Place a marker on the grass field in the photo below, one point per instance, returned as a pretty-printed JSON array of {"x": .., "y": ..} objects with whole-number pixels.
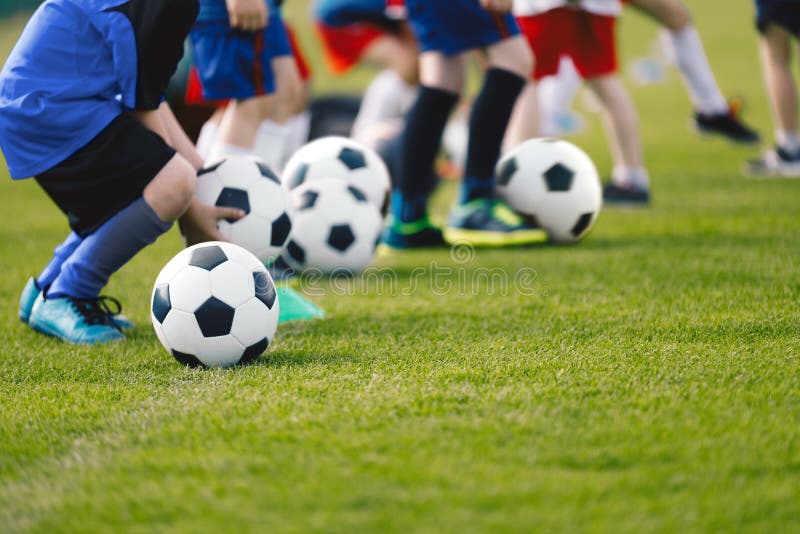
[{"x": 647, "y": 380}]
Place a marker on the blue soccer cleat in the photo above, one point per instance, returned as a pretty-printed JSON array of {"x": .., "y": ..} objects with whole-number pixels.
[
  {"x": 491, "y": 223},
  {"x": 417, "y": 234},
  {"x": 29, "y": 295},
  {"x": 31, "y": 292},
  {"x": 75, "y": 321}
]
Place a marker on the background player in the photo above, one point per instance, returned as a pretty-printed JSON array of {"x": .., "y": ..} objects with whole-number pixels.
[
  {"x": 445, "y": 30},
  {"x": 243, "y": 54},
  {"x": 778, "y": 22},
  {"x": 103, "y": 147},
  {"x": 585, "y": 33}
]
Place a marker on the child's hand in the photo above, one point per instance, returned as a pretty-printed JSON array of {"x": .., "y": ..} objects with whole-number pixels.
[
  {"x": 247, "y": 15},
  {"x": 199, "y": 222},
  {"x": 498, "y": 6}
]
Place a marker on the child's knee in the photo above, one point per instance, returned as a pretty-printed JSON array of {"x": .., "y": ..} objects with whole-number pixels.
[
  {"x": 184, "y": 183},
  {"x": 513, "y": 55}
]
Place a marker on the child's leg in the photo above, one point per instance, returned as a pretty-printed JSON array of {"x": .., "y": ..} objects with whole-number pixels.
[
  {"x": 704, "y": 92},
  {"x": 60, "y": 255},
  {"x": 121, "y": 237},
  {"x": 525, "y": 121},
  {"x": 624, "y": 134},
  {"x": 775, "y": 61},
  {"x": 441, "y": 80},
  {"x": 396, "y": 54},
  {"x": 510, "y": 64}
]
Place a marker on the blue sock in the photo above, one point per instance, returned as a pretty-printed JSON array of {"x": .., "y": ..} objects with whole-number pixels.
[
  {"x": 472, "y": 188},
  {"x": 408, "y": 208},
  {"x": 487, "y": 126},
  {"x": 60, "y": 255},
  {"x": 105, "y": 251}
]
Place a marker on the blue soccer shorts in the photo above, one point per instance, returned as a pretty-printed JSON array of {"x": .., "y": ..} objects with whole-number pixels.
[
  {"x": 455, "y": 26},
  {"x": 234, "y": 64}
]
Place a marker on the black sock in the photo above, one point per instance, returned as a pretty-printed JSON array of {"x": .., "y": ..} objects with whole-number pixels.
[
  {"x": 487, "y": 126},
  {"x": 422, "y": 137}
]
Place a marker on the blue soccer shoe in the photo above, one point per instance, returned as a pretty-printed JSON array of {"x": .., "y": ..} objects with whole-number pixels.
[
  {"x": 75, "y": 321},
  {"x": 31, "y": 292}
]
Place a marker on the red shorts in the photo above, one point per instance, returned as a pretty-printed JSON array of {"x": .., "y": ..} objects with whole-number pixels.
[
  {"x": 585, "y": 37},
  {"x": 345, "y": 45}
]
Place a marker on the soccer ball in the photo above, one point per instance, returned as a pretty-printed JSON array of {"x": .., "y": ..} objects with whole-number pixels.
[
  {"x": 215, "y": 305},
  {"x": 336, "y": 228},
  {"x": 340, "y": 157},
  {"x": 246, "y": 183},
  {"x": 554, "y": 183}
]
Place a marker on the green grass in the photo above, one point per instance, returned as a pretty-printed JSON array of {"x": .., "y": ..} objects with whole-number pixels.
[{"x": 650, "y": 382}]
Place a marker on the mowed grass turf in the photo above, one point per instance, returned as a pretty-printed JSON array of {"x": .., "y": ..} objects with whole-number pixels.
[{"x": 645, "y": 380}]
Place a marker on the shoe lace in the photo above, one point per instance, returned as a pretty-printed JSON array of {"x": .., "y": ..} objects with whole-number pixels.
[{"x": 100, "y": 310}]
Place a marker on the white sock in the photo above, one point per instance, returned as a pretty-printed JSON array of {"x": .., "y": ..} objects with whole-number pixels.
[
  {"x": 299, "y": 126},
  {"x": 788, "y": 140},
  {"x": 696, "y": 72},
  {"x": 556, "y": 94},
  {"x": 221, "y": 150},
  {"x": 388, "y": 96},
  {"x": 624, "y": 175},
  {"x": 270, "y": 144},
  {"x": 206, "y": 138}
]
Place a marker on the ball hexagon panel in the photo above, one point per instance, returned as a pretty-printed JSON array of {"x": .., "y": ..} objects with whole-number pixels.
[
  {"x": 189, "y": 288},
  {"x": 207, "y": 257},
  {"x": 250, "y": 233},
  {"x": 253, "y": 322},
  {"x": 182, "y": 332},
  {"x": 341, "y": 237},
  {"x": 214, "y": 318},
  {"x": 232, "y": 284},
  {"x": 220, "y": 351},
  {"x": 242, "y": 256},
  {"x": 209, "y": 187},
  {"x": 558, "y": 177}
]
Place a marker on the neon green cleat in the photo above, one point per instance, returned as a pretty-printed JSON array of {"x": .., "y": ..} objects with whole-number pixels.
[
  {"x": 418, "y": 234},
  {"x": 491, "y": 223}
]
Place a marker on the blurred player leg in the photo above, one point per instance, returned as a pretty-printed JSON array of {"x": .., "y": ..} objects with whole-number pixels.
[
  {"x": 776, "y": 56},
  {"x": 623, "y": 129},
  {"x": 712, "y": 112}
]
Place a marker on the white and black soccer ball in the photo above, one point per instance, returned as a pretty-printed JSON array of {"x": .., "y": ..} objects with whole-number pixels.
[
  {"x": 215, "y": 305},
  {"x": 245, "y": 182},
  {"x": 336, "y": 228},
  {"x": 553, "y": 182},
  {"x": 343, "y": 158}
]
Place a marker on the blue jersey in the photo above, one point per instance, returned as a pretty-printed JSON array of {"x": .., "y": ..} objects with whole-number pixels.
[{"x": 71, "y": 73}]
